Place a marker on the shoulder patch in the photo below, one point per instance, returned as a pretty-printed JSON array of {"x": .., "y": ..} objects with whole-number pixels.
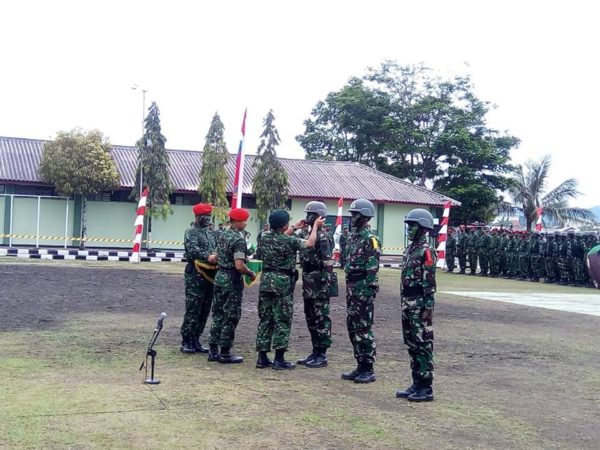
[
  {"x": 428, "y": 258},
  {"x": 374, "y": 242}
]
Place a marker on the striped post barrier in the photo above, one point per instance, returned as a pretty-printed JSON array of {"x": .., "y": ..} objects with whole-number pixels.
[
  {"x": 139, "y": 228},
  {"x": 443, "y": 233}
]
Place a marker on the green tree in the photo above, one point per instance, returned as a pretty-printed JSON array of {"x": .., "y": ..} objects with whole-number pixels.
[
  {"x": 529, "y": 192},
  {"x": 270, "y": 185},
  {"x": 410, "y": 123},
  {"x": 79, "y": 163},
  {"x": 213, "y": 175},
  {"x": 153, "y": 162}
]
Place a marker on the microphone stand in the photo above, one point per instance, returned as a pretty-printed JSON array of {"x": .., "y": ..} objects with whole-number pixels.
[{"x": 152, "y": 353}]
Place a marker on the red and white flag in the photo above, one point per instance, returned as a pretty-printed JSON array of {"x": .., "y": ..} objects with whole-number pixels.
[
  {"x": 238, "y": 178},
  {"x": 139, "y": 228},
  {"x": 338, "y": 230},
  {"x": 442, "y": 234},
  {"x": 538, "y": 224}
]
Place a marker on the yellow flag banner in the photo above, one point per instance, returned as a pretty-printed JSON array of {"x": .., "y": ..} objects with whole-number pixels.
[{"x": 255, "y": 265}]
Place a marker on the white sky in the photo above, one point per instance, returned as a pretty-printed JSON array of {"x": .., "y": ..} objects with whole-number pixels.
[{"x": 72, "y": 63}]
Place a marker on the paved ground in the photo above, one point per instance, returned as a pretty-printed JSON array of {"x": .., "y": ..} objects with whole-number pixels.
[{"x": 577, "y": 303}]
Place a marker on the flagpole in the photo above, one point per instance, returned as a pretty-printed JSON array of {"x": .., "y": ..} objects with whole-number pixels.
[{"x": 240, "y": 176}]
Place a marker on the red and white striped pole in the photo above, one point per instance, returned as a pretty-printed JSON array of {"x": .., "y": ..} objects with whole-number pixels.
[
  {"x": 538, "y": 224},
  {"x": 139, "y": 228},
  {"x": 443, "y": 233},
  {"x": 338, "y": 230}
]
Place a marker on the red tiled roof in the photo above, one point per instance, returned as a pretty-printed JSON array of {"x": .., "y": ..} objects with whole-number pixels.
[{"x": 19, "y": 159}]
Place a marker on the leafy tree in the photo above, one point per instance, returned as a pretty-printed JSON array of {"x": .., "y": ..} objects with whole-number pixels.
[
  {"x": 529, "y": 192},
  {"x": 213, "y": 175},
  {"x": 410, "y": 123},
  {"x": 153, "y": 161},
  {"x": 270, "y": 185},
  {"x": 79, "y": 163}
]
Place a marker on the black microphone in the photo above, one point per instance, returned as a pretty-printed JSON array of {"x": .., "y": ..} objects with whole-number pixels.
[{"x": 159, "y": 324}]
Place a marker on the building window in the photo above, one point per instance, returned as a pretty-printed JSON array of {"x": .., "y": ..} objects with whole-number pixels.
[{"x": 179, "y": 199}]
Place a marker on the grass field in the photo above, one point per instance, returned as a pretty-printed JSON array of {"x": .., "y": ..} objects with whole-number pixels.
[{"x": 73, "y": 334}]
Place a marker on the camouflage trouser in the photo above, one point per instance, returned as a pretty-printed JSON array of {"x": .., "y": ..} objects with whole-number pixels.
[
  {"x": 316, "y": 309},
  {"x": 226, "y": 313},
  {"x": 198, "y": 300},
  {"x": 418, "y": 339},
  {"x": 550, "y": 267},
  {"x": 579, "y": 271},
  {"x": 359, "y": 320},
  {"x": 525, "y": 262},
  {"x": 495, "y": 264},
  {"x": 484, "y": 263},
  {"x": 462, "y": 262},
  {"x": 536, "y": 271},
  {"x": 275, "y": 313},
  {"x": 502, "y": 266},
  {"x": 472, "y": 261},
  {"x": 450, "y": 261}
]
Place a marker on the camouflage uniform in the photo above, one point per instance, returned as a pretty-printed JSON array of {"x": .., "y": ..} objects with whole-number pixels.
[
  {"x": 563, "y": 259},
  {"x": 472, "y": 240},
  {"x": 483, "y": 249},
  {"x": 362, "y": 284},
  {"x": 199, "y": 243},
  {"x": 450, "y": 252},
  {"x": 275, "y": 300},
  {"x": 316, "y": 277},
  {"x": 578, "y": 251},
  {"x": 461, "y": 251},
  {"x": 418, "y": 287},
  {"x": 229, "y": 288},
  {"x": 343, "y": 249}
]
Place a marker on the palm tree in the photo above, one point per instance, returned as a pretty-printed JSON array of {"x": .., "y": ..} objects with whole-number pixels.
[{"x": 529, "y": 193}]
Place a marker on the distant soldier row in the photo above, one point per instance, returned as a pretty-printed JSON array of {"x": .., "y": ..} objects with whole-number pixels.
[{"x": 556, "y": 257}]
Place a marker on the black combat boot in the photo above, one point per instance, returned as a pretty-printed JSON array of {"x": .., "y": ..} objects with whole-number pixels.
[
  {"x": 187, "y": 346},
  {"x": 213, "y": 353},
  {"x": 308, "y": 358},
  {"x": 228, "y": 358},
  {"x": 421, "y": 394},
  {"x": 366, "y": 375},
  {"x": 406, "y": 392},
  {"x": 320, "y": 358},
  {"x": 353, "y": 374},
  {"x": 198, "y": 348},
  {"x": 280, "y": 363},
  {"x": 263, "y": 361}
]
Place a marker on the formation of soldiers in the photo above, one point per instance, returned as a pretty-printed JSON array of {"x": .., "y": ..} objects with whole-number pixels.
[
  {"x": 555, "y": 257},
  {"x": 217, "y": 261}
]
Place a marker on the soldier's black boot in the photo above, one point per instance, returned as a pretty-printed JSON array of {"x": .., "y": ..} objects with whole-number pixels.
[
  {"x": 213, "y": 353},
  {"x": 280, "y": 363},
  {"x": 228, "y": 358},
  {"x": 422, "y": 394},
  {"x": 319, "y": 359},
  {"x": 308, "y": 358},
  {"x": 406, "y": 392},
  {"x": 366, "y": 375},
  {"x": 187, "y": 346},
  {"x": 263, "y": 361},
  {"x": 353, "y": 374},
  {"x": 198, "y": 348}
]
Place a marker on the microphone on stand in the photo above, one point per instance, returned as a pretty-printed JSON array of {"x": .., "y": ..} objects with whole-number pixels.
[{"x": 151, "y": 352}]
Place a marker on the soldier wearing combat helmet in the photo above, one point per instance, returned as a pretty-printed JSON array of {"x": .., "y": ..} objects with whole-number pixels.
[
  {"x": 417, "y": 303},
  {"x": 317, "y": 269},
  {"x": 362, "y": 284}
]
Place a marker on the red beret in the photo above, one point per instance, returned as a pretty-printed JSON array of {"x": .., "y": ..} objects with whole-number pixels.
[
  {"x": 202, "y": 209},
  {"x": 239, "y": 214}
]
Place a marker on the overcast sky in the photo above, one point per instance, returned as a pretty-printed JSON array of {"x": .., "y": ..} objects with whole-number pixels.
[{"x": 69, "y": 64}]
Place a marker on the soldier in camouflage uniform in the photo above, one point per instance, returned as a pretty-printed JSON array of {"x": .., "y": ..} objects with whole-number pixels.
[
  {"x": 317, "y": 269},
  {"x": 200, "y": 246},
  {"x": 362, "y": 284},
  {"x": 461, "y": 249},
  {"x": 344, "y": 246},
  {"x": 563, "y": 253},
  {"x": 472, "y": 240},
  {"x": 278, "y": 249},
  {"x": 450, "y": 250},
  {"x": 534, "y": 256},
  {"x": 569, "y": 261},
  {"x": 578, "y": 251},
  {"x": 549, "y": 259},
  {"x": 494, "y": 250},
  {"x": 417, "y": 302},
  {"x": 483, "y": 250},
  {"x": 229, "y": 286}
]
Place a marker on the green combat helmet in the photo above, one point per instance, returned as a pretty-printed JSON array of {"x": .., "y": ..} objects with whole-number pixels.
[
  {"x": 420, "y": 216},
  {"x": 362, "y": 206}
]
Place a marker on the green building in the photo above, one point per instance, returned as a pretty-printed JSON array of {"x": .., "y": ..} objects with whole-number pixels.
[{"x": 32, "y": 214}]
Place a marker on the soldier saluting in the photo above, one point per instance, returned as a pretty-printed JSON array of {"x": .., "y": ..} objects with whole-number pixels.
[{"x": 362, "y": 284}]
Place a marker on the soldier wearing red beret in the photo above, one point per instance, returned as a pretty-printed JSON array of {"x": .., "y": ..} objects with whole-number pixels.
[
  {"x": 200, "y": 248},
  {"x": 229, "y": 286}
]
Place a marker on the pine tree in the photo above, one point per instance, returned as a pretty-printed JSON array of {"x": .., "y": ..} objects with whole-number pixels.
[
  {"x": 154, "y": 162},
  {"x": 270, "y": 185},
  {"x": 79, "y": 163},
  {"x": 213, "y": 175}
]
